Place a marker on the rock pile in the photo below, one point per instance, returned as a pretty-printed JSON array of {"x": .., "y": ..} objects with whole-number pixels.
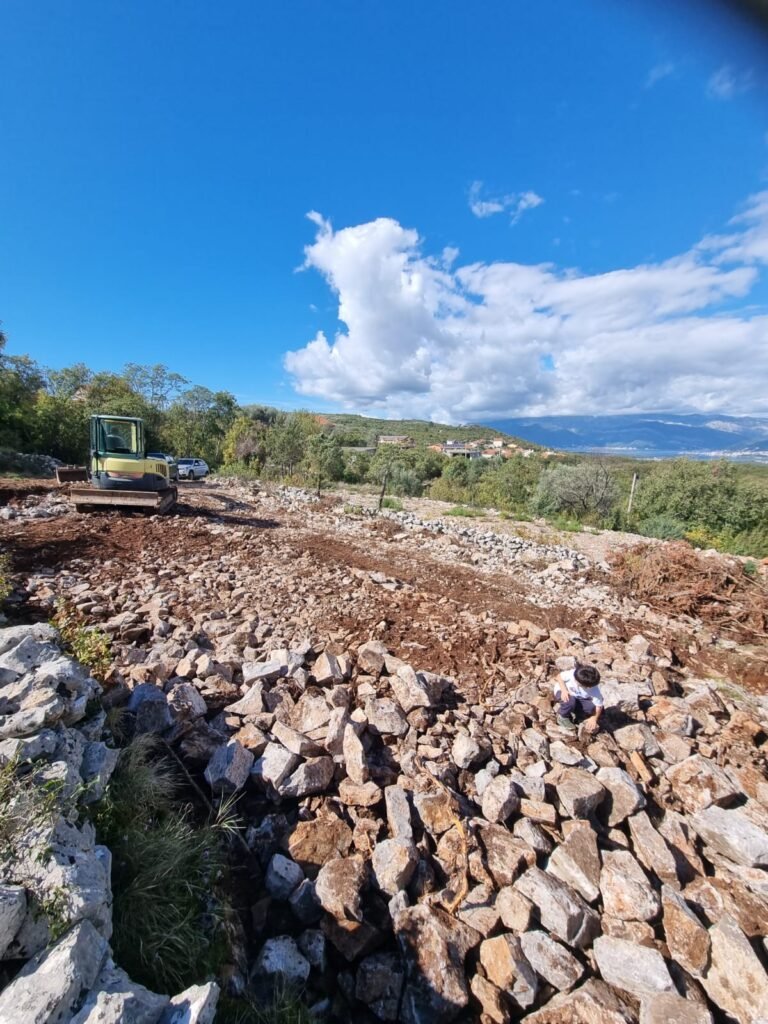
[
  {"x": 55, "y": 896},
  {"x": 426, "y": 859}
]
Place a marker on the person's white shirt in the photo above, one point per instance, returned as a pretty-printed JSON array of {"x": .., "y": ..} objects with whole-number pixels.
[{"x": 574, "y": 687}]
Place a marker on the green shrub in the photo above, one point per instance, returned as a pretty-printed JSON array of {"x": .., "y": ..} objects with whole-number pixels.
[
  {"x": 90, "y": 645},
  {"x": 463, "y": 510},
  {"x": 661, "y": 527},
  {"x": 392, "y": 503},
  {"x": 5, "y": 577},
  {"x": 285, "y": 1006},
  {"x": 565, "y": 524}
]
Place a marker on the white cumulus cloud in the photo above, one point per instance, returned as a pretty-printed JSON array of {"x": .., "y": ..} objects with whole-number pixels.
[
  {"x": 426, "y": 336},
  {"x": 515, "y": 203}
]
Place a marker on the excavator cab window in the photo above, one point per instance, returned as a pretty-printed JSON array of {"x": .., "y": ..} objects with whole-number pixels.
[{"x": 118, "y": 437}]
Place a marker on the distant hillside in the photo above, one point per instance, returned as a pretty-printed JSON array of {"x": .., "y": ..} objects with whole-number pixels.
[
  {"x": 367, "y": 429},
  {"x": 660, "y": 433}
]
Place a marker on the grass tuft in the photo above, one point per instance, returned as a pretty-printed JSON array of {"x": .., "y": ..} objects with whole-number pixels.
[
  {"x": 285, "y": 1006},
  {"x": 168, "y": 917},
  {"x": 91, "y": 646},
  {"x": 465, "y": 510}
]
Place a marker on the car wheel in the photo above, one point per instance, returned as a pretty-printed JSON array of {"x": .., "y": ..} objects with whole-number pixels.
[{"x": 192, "y": 474}]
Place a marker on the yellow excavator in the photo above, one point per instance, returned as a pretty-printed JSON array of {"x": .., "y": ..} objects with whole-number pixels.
[{"x": 119, "y": 475}]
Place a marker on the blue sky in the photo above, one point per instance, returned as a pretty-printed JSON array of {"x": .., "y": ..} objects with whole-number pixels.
[{"x": 159, "y": 160}]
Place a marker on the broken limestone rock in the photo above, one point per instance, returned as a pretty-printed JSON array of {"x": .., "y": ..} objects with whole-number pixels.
[
  {"x": 229, "y": 768},
  {"x": 434, "y": 946},
  {"x": 339, "y": 887},
  {"x": 579, "y": 792},
  {"x": 281, "y": 956},
  {"x": 736, "y": 980},
  {"x": 732, "y": 834},
  {"x": 282, "y": 877},
  {"x": 313, "y": 776},
  {"x": 687, "y": 938},
  {"x": 551, "y": 961},
  {"x": 638, "y": 970},
  {"x": 379, "y": 983},
  {"x": 576, "y": 862},
  {"x": 624, "y": 797},
  {"x": 49, "y": 986},
  {"x": 393, "y": 863},
  {"x": 626, "y": 891},
  {"x": 559, "y": 908},
  {"x": 500, "y": 799},
  {"x": 666, "y": 1008},
  {"x": 507, "y": 967}
]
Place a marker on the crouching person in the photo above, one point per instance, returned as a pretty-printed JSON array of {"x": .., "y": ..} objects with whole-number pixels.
[{"x": 579, "y": 696}]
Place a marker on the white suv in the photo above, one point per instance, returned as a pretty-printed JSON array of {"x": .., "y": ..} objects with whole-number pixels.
[{"x": 192, "y": 469}]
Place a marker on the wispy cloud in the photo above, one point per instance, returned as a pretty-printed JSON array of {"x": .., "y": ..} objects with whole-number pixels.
[
  {"x": 726, "y": 83},
  {"x": 515, "y": 203},
  {"x": 658, "y": 73},
  {"x": 422, "y": 336}
]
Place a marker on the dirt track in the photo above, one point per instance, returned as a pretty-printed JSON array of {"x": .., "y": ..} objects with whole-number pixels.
[{"x": 311, "y": 569}]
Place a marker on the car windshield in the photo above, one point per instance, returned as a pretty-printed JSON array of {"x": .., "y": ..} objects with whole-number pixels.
[{"x": 185, "y": 462}]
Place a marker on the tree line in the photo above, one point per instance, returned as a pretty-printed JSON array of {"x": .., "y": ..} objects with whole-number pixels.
[{"x": 720, "y": 504}]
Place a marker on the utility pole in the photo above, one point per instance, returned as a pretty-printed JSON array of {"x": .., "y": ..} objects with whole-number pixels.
[{"x": 632, "y": 493}]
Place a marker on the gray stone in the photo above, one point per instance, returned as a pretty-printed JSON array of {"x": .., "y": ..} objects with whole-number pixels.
[
  {"x": 514, "y": 909},
  {"x": 281, "y": 956},
  {"x": 263, "y": 672},
  {"x": 638, "y": 970},
  {"x": 532, "y": 834},
  {"x": 47, "y": 989},
  {"x": 327, "y": 669},
  {"x": 185, "y": 703},
  {"x": 98, "y": 764},
  {"x": 736, "y": 980},
  {"x": 579, "y": 793},
  {"x": 434, "y": 811},
  {"x": 624, "y": 797},
  {"x": 551, "y": 961},
  {"x": 251, "y": 704},
  {"x": 12, "y": 636},
  {"x": 732, "y": 834},
  {"x": 313, "y": 945},
  {"x": 651, "y": 849},
  {"x": 339, "y": 887},
  {"x": 283, "y": 877},
  {"x": 478, "y": 910},
  {"x": 434, "y": 946},
  {"x": 576, "y": 862},
  {"x": 116, "y": 999},
  {"x": 314, "y": 776},
  {"x": 370, "y": 657},
  {"x": 31, "y": 748},
  {"x": 626, "y": 891},
  {"x": 468, "y": 752},
  {"x": 637, "y": 737},
  {"x": 195, "y": 1005},
  {"x": 25, "y": 656},
  {"x": 411, "y": 689},
  {"x": 669, "y": 1008},
  {"x": 559, "y": 908},
  {"x": 228, "y": 769},
  {"x": 379, "y": 983},
  {"x": 385, "y": 717},
  {"x": 150, "y": 706},
  {"x": 13, "y": 907},
  {"x": 295, "y": 741},
  {"x": 354, "y": 756},
  {"x": 304, "y": 903},
  {"x": 393, "y": 863},
  {"x": 398, "y": 813},
  {"x": 274, "y": 766},
  {"x": 500, "y": 799}
]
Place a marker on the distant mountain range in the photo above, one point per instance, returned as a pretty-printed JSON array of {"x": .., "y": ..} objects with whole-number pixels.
[{"x": 657, "y": 434}]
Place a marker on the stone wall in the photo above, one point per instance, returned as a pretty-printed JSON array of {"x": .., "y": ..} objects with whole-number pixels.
[{"x": 55, "y": 896}]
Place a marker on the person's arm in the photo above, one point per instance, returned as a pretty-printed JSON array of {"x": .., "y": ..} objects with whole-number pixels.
[{"x": 593, "y": 724}]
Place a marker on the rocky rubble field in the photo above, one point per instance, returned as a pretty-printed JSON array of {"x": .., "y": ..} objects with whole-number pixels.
[{"x": 377, "y": 693}]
